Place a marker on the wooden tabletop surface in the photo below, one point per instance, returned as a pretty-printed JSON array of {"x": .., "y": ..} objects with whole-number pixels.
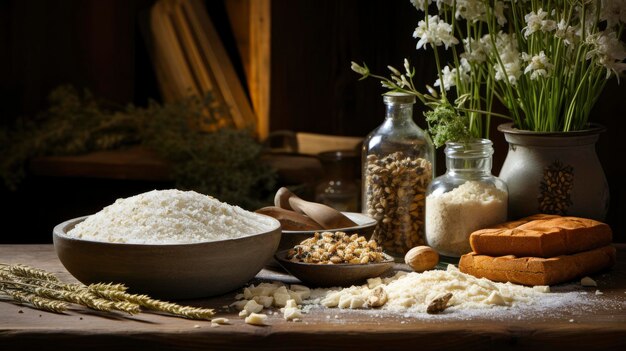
[{"x": 591, "y": 321}]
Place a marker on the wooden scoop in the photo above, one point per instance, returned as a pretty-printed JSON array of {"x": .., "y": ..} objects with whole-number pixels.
[
  {"x": 290, "y": 220},
  {"x": 326, "y": 216}
]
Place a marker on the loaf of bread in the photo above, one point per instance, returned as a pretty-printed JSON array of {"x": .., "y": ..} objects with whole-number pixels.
[
  {"x": 538, "y": 271},
  {"x": 541, "y": 236}
]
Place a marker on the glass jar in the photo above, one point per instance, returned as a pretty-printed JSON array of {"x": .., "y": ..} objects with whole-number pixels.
[
  {"x": 397, "y": 163},
  {"x": 338, "y": 189},
  {"x": 466, "y": 198}
]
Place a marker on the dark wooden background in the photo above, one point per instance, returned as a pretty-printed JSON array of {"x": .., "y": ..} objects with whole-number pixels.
[{"x": 99, "y": 45}]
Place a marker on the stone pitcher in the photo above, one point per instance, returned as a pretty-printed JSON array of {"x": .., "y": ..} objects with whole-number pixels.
[{"x": 555, "y": 173}]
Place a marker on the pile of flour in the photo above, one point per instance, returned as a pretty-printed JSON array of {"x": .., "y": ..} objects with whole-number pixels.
[
  {"x": 170, "y": 217},
  {"x": 413, "y": 292}
]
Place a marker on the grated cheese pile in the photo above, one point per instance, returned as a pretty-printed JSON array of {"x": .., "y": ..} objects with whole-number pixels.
[{"x": 170, "y": 217}]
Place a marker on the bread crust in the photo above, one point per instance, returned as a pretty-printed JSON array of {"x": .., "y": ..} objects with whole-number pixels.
[
  {"x": 541, "y": 236},
  {"x": 538, "y": 271}
]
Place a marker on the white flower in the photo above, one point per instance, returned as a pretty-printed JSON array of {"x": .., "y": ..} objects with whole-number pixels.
[
  {"x": 407, "y": 68},
  {"x": 536, "y": 22},
  {"x": 450, "y": 76},
  {"x": 394, "y": 70},
  {"x": 512, "y": 71},
  {"x": 441, "y": 3},
  {"x": 437, "y": 33},
  {"x": 606, "y": 44},
  {"x": 616, "y": 67},
  {"x": 498, "y": 10},
  {"x": 533, "y": 22},
  {"x": 567, "y": 33},
  {"x": 400, "y": 80},
  {"x": 609, "y": 52},
  {"x": 474, "y": 50},
  {"x": 421, "y": 5},
  {"x": 471, "y": 10},
  {"x": 613, "y": 12},
  {"x": 359, "y": 69},
  {"x": 538, "y": 65},
  {"x": 405, "y": 82},
  {"x": 506, "y": 46},
  {"x": 589, "y": 17}
]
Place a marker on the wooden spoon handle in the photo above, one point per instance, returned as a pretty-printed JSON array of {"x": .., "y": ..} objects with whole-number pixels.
[
  {"x": 326, "y": 216},
  {"x": 281, "y": 199},
  {"x": 290, "y": 220}
]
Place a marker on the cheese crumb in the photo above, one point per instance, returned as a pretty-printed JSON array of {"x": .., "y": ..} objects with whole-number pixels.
[
  {"x": 588, "y": 282},
  {"x": 220, "y": 320},
  {"x": 253, "y": 307},
  {"x": 281, "y": 296},
  {"x": 291, "y": 313},
  {"x": 291, "y": 310},
  {"x": 256, "y": 319},
  {"x": 374, "y": 282},
  {"x": 239, "y": 305},
  {"x": 266, "y": 301},
  {"x": 291, "y": 304},
  {"x": 495, "y": 299}
]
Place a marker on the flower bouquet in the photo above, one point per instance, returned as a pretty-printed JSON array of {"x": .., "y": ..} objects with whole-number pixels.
[{"x": 546, "y": 61}]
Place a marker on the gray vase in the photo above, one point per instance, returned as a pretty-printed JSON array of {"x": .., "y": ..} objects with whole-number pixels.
[{"x": 554, "y": 172}]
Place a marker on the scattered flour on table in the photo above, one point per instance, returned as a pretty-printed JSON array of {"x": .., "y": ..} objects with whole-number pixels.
[
  {"x": 170, "y": 217},
  {"x": 413, "y": 292},
  {"x": 409, "y": 294}
]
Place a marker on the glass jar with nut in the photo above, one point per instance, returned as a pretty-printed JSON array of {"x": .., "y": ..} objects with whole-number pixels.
[{"x": 398, "y": 159}]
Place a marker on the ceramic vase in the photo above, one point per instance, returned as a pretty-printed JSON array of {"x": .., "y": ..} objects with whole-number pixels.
[{"x": 555, "y": 173}]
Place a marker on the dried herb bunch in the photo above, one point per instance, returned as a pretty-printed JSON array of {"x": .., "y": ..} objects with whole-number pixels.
[
  {"x": 224, "y": 163},
  {"x": 42, "y": 290}
]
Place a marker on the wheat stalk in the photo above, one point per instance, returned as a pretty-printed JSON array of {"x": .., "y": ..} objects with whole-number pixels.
[{"x": 43, "y": 290}]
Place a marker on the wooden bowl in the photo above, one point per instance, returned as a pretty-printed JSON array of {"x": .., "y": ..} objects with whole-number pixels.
[
  {"x": 343, "y": 274},
  {"x": 179, "y": 271}
]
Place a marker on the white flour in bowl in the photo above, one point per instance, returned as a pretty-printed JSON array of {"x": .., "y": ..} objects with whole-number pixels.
[{"x": 170, "y": 217}]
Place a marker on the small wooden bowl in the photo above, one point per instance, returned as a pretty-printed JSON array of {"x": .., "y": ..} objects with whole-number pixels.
[
  {"x": 343, "y": 274},
  {"x": 180, "y": 271}
]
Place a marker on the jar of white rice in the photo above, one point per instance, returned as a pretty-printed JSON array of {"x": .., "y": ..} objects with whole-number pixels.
[{"x": 466, "y": 198}]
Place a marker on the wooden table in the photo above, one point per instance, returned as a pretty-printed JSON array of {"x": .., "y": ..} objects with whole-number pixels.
[{"x": 600, "y": 323}]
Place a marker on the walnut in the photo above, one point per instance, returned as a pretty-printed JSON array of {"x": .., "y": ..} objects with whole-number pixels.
[
  {"x": 421, "y": 258},
  {"x": 439, "y": 304}
]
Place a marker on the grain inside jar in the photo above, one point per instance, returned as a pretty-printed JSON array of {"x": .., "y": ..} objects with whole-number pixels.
[{"x": 394, "y": 191}]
